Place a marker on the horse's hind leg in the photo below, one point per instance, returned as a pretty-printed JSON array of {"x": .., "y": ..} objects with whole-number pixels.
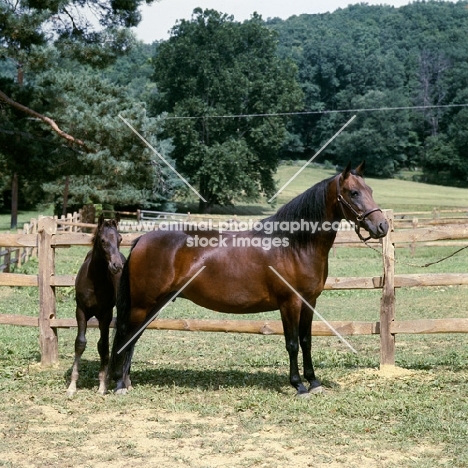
[
  {"x": 103, "y": 349},
  {"x": 80, "y": 345},
  {"x": 305, "y": 340},
  {"x": 126, "y": 336},
  {"x": 121, "y": 362}
]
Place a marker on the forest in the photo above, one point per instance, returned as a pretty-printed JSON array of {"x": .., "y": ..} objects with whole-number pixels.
[{"x": 224, "y": 102}]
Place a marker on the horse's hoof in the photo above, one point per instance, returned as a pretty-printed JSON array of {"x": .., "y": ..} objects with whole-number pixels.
[
  {"x": 101, "y": 392},
  {"x": 71, "y": 394},
  {"x": 316, "y": 390},
  {"x": 121, "y": 391},
  {"x": 302, "y": 395}
]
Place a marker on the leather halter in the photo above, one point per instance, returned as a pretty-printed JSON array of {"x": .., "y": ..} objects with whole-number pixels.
[{"x": 359, "y": 216}]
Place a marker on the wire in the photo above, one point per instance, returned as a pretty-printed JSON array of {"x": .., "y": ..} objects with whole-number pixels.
[{"x": 339, "y": 111}]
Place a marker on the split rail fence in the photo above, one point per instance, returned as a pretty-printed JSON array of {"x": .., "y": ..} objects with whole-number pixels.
[{"x": 48, "y": 238}]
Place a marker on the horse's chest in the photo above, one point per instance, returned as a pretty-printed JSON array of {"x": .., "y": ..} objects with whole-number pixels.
[{"x": 95, "y": 296}]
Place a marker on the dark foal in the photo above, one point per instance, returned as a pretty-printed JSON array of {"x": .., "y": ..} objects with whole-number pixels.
[
  {"x": 96, "y": 290},
  {"x": 237, "y": 276}
]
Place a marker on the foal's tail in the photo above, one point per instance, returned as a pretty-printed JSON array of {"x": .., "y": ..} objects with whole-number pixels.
[{"x": 123, "y": 312}]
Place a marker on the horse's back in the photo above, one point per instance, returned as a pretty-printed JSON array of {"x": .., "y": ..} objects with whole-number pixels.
[{"x": 233, "y": 280}]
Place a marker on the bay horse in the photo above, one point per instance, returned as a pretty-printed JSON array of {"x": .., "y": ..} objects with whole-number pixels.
[
  {"x": 237, "y": 277},
  {"x": 95, "y": 292}
]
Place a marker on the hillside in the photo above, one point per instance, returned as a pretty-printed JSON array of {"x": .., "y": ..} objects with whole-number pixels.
[{"x": 399, "y": 195}]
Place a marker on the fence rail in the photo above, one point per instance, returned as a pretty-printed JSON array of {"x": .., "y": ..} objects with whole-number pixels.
[
  {"x": 49, "y": 237},
  {"x": 17, "y": 253}
]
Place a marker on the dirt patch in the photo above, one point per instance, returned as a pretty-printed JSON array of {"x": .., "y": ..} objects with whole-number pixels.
[
  {"x": 391, "y": 372},
  {"x": 148, "y": 438}
]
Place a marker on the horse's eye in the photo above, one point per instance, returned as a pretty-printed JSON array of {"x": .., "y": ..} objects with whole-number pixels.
[{"x": 354, "y": 194}]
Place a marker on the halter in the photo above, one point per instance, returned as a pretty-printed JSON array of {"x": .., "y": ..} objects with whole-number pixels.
[{"x": 359, "y": 216}]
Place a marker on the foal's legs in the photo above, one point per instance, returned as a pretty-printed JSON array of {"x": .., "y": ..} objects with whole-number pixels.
[
  {"x": 290, "y": 315},
  {"x": 305, "y": 340},
  {"x": 80, "y": 345},
  {"x": 103, "y": 349}
]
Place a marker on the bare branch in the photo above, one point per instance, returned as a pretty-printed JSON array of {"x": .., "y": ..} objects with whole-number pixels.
[{"x": 46, "y": 120}]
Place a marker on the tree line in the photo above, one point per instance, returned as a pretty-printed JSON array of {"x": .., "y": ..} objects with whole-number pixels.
[
  {"x": 224, "y": 102},
  {"x": 412, "y": 58}
]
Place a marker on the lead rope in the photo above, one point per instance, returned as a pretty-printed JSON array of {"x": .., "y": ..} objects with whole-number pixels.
[{"x": 413, "y": 264}]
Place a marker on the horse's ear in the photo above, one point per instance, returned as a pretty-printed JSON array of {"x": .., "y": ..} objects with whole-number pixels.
[
  {"x": 346, "y": 172},
  {"x": 360, "y": 169},
  {"x": 117, "y": 218},
  {"x": 100, "y": 220}
]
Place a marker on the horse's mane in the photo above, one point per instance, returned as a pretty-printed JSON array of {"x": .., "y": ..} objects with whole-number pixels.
[{"x": 309, "y": 206}]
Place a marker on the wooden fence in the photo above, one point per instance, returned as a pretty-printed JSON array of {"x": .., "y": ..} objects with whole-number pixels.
[
  {"x": 435, "y": 217},
  {"x": 17, "y": 256},
  {"x": 48, "y": 238}
]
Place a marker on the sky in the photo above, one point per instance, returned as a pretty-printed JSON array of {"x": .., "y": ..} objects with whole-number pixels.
[{"x": 162, "y": 15}]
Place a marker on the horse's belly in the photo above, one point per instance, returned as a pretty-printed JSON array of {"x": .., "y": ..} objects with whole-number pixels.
[
  {"x": 232, "y": 297},
  {"x": 232, "y": 307}
]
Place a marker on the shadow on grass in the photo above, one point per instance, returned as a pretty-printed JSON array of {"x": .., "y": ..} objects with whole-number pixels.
[
  {"x": 208, "y": 379},
  {"x": 192, "y": 378}
]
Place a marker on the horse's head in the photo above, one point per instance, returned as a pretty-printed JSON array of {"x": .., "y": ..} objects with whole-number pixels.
[
  {"x": 107, "y": 240},
  {"x": 357, "y": 204}
]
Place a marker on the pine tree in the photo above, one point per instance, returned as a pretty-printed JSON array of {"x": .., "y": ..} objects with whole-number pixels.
[{"x": 59, "y": 119}]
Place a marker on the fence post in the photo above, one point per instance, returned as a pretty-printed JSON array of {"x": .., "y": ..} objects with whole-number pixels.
[
  {"x": 414, "y": 225},
  {"x": 19, "y": 252},
  {"x": 33, "y": 230},
  {"x": 387, "y": 303},
  {"x": 47, "y": 227},
  {"x": 7, "y": 260}
]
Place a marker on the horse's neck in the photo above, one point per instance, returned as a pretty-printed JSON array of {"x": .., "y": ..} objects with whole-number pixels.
[
  {"x": 324, "y": 242},
  {"x": 98, "y": 260},
  {"x": 324, "y": 235}
]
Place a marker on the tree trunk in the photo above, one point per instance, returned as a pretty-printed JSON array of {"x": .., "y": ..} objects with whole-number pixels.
[
  {"x": 65, "y": 196},
  {"x": 204, "y": 207},
  {"x": 14, "y": 201}
]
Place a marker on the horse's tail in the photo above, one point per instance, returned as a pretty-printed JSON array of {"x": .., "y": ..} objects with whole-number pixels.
[
  {"x": 123, "y": 311},
  {"x": 123, "y": 302}
]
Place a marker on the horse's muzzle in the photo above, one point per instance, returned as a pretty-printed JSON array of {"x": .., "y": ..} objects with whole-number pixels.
[
  {"x": 115, "y": 267},
  {"x": 376, "y": 228}
]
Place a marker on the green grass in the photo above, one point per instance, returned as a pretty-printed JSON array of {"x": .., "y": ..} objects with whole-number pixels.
[
  {"x": 24, "y": 216},
  {"x": 213, "y": 399},
  {"x": 216, "y": 400},
  {"x": 399, "y": 195}
]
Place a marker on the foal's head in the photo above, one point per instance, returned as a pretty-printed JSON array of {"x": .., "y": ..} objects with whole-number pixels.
[
  {"x": 106, "y": 242},
  {"x": 357, "y": 204}
]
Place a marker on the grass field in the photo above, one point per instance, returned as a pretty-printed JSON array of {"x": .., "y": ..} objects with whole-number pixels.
[{"x": 218, "y": 400}]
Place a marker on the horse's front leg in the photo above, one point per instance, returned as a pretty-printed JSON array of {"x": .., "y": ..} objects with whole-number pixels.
[
  {"x": 290, "y": 315},
  {"x": 80, "y": 346},
  {"x": 305, "y": 340}
]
